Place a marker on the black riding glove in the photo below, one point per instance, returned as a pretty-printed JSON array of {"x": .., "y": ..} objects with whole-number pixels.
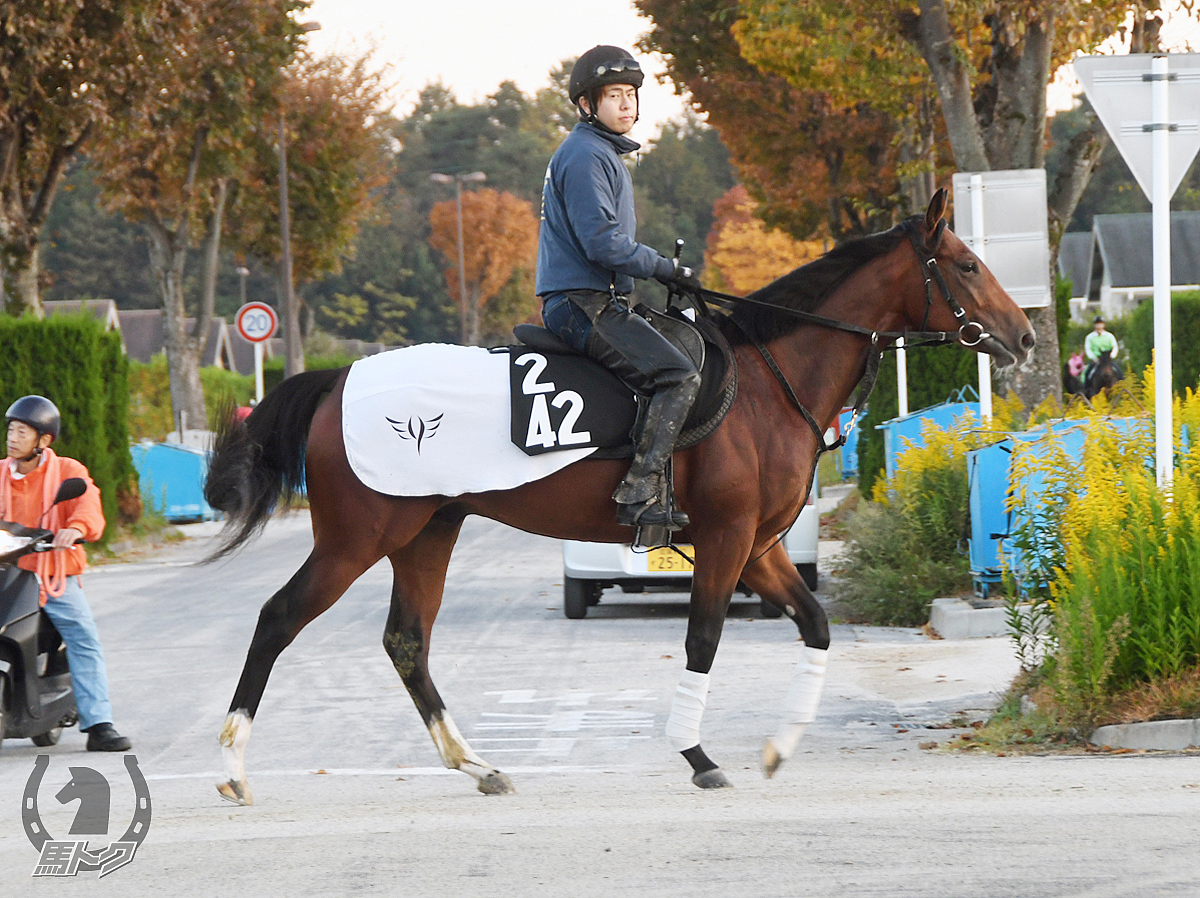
[{"x": 680, "y": 276}]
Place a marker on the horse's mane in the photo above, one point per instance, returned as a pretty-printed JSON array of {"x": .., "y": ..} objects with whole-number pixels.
[{"x": 807, "y": 287}]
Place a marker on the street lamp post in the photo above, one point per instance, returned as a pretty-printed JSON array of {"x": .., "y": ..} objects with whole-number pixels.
[
  {"x": 293, "y": 346},
  {"x": 457, "y": 181}
]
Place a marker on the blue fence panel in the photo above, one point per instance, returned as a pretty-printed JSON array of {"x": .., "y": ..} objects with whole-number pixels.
[
  {"x": 987, "y": 478},
  {"x": 171, "y": 480},
  {"x": 848, "y": 457},
  {"x": 991, "y": 482},
  {"x": 899, "y": 433}
]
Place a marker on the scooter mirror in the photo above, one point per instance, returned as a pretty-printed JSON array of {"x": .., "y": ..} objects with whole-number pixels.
[{"x": 71, "y": 488}]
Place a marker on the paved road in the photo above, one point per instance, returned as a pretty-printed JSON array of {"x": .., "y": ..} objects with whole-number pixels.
[{"x": 351, "y": 799}]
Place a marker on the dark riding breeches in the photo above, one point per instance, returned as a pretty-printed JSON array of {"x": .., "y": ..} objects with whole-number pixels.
[{"x": 652, "y": 367}]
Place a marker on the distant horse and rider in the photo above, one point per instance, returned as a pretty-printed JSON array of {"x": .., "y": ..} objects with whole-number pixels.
[
  {"x": 1101, "y": 371},
  {"x": 798, "y": 348}
]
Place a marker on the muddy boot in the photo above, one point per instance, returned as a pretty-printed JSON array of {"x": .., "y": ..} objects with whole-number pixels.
[{"x": 644, "y": 496}]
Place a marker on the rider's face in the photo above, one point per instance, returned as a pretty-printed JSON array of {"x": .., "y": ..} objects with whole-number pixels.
[
  {"x": 22, "y": 439},
  {"x": 618, "y": 107}
]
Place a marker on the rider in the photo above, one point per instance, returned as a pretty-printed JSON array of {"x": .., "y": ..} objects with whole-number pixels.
[
  {"x": 1098, "y": 342},
  {"x": 28, "y": 482},
  {"x": 587, "y": 261}
]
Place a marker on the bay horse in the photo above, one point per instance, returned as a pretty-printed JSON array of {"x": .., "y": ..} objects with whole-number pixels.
[
  {"x": 741, "y": 487},
  {"x": 1104, "y": 374}
]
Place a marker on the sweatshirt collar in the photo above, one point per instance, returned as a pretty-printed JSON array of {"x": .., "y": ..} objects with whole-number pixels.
[{"x": 622, "y": 143}]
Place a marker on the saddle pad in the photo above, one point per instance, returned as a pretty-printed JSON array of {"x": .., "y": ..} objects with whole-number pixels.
[{"x": 434, "y": 420}]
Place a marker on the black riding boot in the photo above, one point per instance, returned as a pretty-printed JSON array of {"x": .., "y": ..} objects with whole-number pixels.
[
  {"x": 650, "y": 365},
  {"x": 645, "y": 497}
]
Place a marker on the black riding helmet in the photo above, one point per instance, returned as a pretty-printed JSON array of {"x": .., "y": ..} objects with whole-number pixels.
[
  {"x": 598, "y": 67},
  {"x": 38, "y": 412}
]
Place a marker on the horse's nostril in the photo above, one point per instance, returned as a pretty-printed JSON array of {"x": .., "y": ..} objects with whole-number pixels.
[{"x": 1027, "y": 341}]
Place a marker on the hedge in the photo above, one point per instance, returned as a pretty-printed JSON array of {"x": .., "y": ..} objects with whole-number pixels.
[
  {"x": 1185, "y": 350},
  {"x": 72, "y": 361}
]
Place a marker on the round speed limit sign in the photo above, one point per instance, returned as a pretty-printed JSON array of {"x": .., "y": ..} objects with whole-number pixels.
[{"x": 256, "y": 321}]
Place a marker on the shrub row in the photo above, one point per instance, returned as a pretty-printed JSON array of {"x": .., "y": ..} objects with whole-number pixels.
[{"x": 73, "y": 362}]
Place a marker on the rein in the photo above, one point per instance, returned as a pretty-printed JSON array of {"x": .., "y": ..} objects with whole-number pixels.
[{"x": 931, "y": 272}]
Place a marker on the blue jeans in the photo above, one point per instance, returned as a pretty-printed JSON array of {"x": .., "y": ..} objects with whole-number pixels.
[
  {"x": 566, "y": 321},
  {"x": 72, "y": 616}
]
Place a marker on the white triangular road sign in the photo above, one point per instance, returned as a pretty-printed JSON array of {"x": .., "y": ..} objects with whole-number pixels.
[{"x": 1119, "y": 89}]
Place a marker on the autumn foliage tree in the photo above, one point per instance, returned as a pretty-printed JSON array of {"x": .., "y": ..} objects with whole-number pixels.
[
  {"x": 813, "y": 165},
  {"x": 68, "y": 70},
  {"x": 990, "y": 62},
  {"x": 500, "y": 233},
  {"x": 744, "y": 254}
]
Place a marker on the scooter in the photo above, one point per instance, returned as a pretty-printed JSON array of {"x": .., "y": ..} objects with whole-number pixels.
[{"x": 36, "y": 699}]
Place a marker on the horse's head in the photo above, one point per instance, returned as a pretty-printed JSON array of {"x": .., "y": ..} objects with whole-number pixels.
[{"x": 966, "y": 297}]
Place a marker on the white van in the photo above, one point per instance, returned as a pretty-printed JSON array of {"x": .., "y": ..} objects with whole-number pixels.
[{"x": 590, "y": 568}]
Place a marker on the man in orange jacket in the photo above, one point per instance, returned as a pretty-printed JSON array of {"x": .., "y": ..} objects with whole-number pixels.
[{"x": 29, "y": 479}]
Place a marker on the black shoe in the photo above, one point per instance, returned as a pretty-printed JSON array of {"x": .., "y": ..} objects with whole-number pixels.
[
  {"x": 103, "y": 737},
  {"x": 651, "y": 513}
]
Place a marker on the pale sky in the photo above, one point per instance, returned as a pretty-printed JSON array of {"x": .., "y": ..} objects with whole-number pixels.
[{"x": 473, "y": 45}]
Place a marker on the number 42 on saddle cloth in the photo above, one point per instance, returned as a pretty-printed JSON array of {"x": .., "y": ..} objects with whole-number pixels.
[{"x": 437, "y": 419}]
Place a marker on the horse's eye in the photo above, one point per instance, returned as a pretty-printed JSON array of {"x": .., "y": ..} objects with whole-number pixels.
[{"x": 969, "y": 267}]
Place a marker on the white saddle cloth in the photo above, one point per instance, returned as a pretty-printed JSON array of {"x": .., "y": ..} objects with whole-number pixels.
[{"x": 434, "y": 420}]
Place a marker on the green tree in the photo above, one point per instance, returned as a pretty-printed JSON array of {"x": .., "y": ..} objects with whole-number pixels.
[{"x": 172, "y": 162}]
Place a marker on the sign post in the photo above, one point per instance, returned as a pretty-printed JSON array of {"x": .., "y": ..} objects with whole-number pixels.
[
  {"x": 1001, "y": 215},
  {"x": 1158, "y": 152},
  {"x": 257, "y": 323}
]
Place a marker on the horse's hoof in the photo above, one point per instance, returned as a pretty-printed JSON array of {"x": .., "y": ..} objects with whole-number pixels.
[
  {"x": 238, "y": 793},
  {"x": 771, "y": 759},
  {"x": 712, "y": 779},
  {"x": 496, "y": 783}
]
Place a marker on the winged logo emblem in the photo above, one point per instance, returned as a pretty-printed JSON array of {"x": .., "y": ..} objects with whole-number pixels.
[{"x": 416, "y": 428}]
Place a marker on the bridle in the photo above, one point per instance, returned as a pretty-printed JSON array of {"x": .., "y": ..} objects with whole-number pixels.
[{"x": 932, "y": 274}]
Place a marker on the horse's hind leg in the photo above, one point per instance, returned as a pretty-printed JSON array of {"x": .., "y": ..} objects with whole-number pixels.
[
  {"x": 419, "y": 579},
  {"x": 318, "y": 583},
  {"x": 775, "y": 578}
]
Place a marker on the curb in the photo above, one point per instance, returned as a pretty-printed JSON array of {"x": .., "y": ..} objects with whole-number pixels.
[
  {"x": 1161, "y": 735},
  {"x": 957, "y": 619}
]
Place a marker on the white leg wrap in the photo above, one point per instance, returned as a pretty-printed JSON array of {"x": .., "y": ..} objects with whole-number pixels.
[
  {"x": 683, "y": 726},
  {"x": 233, "y": 738},
  {"x": 803, "y": 696}
]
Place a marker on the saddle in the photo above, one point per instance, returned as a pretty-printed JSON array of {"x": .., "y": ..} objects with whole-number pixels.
[{"x": 562, "y": 399}]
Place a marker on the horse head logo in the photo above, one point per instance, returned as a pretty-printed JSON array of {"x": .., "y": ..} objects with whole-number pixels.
[{"x": 91, "y": 790}]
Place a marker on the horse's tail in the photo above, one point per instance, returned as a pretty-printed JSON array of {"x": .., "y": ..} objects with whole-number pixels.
[{"x": 258, "y": 462}]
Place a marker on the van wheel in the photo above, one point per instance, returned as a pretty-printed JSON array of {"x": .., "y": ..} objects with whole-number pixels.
[{"x": 577, "y": 595}]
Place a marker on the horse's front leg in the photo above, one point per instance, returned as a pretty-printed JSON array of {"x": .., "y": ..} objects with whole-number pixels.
[
  {"x": 776, "y": 580},
  {"x": 419, "y": 571},
  {"x": 713, "y": 582},
  {"x": 318, "y": 583}
]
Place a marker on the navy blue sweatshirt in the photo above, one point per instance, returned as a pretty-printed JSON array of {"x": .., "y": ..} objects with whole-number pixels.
[{"x": 586, "y": 241}]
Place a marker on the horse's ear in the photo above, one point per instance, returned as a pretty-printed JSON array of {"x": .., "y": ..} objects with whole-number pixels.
[{"x": 937, "y": 208}]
